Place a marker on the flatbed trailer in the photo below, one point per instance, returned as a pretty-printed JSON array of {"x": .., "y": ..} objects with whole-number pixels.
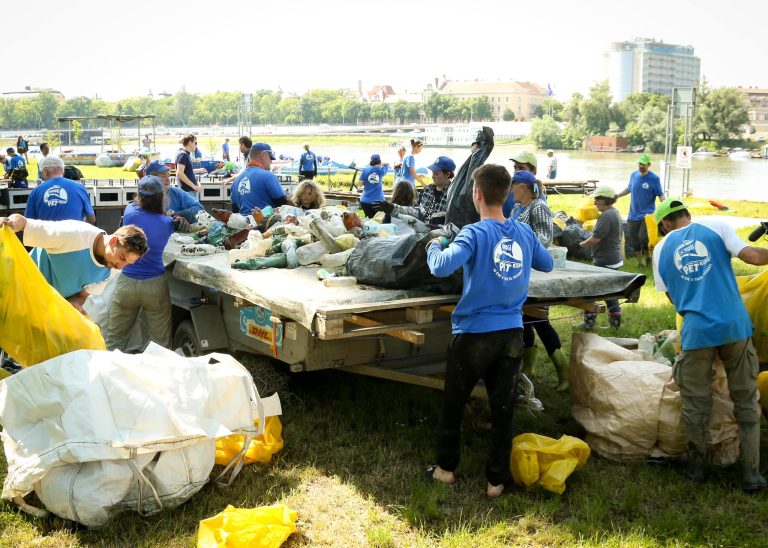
[{"x": 290, "y": 317}]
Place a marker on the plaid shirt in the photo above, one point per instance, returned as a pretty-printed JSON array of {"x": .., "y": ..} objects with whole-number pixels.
[{"x": 430, "y": 206}]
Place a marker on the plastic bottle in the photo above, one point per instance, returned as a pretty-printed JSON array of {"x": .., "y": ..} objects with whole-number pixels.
[
  {"x": 336, "y": 226},
  {"x": 645, "y": 346},
  {"x": 278, "y": 260},
  {"x": 413, "y": 222},
  {"x": 311, "y": 253},
  {"x": 372, "y": 228},
  {"x": 289, "y": 248},
  {"x": 320, "y": 231},
  {"x": 332, "y": 260}
]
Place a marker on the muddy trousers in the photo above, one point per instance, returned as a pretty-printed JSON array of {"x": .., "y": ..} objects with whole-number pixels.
[
  {"x": 693, "y": 374},
  {"x": 495, "y": 357},
  {"x": 549, "y": 337},
  {"x": 132, "y": 295}
]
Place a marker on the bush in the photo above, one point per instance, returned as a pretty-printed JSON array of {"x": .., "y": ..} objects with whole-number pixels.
[{"x": 546, "y": 133}]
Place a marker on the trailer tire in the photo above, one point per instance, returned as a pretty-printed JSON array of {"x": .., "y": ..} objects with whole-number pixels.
[
  {"x": 265, "y": 373},
  {"x": 186, "y": 339}
]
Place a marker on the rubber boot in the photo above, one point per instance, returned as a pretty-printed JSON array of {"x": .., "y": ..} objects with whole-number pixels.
[
  {"x": 561, "y": 366},
  {"x": 697, "y": 452},
  {"x": 751, "y": 479},
  {"x": 590, "y": 318},
  {"x": 529, "y": 361}
]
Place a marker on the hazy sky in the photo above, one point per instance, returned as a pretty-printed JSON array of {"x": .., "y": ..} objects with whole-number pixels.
[{"x": 120, "y": 50}]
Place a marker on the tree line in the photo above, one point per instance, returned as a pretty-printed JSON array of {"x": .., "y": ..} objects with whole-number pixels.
[
  {"x": 720, "y": 115},
  {"x": 221, "y": 108}
]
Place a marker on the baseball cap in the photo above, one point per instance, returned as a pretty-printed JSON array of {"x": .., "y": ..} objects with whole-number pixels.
[
  {"x": 644, "y": 159},
  {"x": 604, "y": 192},
  {"x": 524, "y": 157},
  {"x": 375, "y": 159},
  {"x": 156, "y": 167},
  {"x": 443, "y": 163},
  {"x": 668, "y": 206},
  {"x": 150, "y": 185},
  {"x": 525, "y": 177},
  {"x": 258, "y": 147}
]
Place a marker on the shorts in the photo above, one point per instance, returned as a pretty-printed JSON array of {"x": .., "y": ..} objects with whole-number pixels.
[{"x": 637, "y": 235}]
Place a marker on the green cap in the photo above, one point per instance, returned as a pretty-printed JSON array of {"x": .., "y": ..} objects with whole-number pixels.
[
  {"x": 604, "y": 192},
  {"x": 668, "y": 206},
  {"x": 524, "y": 157},
  {"x": 644, "y": 159}
]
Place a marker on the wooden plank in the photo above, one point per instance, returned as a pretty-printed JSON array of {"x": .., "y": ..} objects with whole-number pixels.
[
  {"x": 418, "y": 315},
  {"x": 554, "y": 182},
  {"x": 328, "y": 328},
  {"x": 410, "y": 336},
  {"x": 361, "y": 308},
  {"x": 408, "y": 378},
  {"x": 447, "y": 308},
  {"x": 541, "y": 313},
  {"x": 380, "y": 330}
]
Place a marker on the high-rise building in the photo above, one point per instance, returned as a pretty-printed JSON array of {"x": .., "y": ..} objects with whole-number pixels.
[{"x": 645, "y": 65}]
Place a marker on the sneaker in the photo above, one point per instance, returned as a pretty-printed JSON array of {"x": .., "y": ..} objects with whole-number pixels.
[{"x": 615, "y": 319}]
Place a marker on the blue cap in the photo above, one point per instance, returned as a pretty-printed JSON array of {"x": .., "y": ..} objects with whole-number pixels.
[
  {"x": 156, "y": 167},
  {"x": 525, "y": 177},
  {"x": 258, "y": 147},
  {"x": 150, "y": 186},
  {"x": 375, "y": 159},
  {"x": 443, "y": 163}
]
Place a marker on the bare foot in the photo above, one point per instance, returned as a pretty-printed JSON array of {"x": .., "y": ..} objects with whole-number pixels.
[
  {"x": 494, "y": 491},
  {"x": 443, "y": 476}
]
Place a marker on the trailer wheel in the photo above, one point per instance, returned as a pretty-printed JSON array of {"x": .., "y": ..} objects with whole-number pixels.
[
  {"x": 186, "y": 339},
  {"x": 265, "y": 372}
]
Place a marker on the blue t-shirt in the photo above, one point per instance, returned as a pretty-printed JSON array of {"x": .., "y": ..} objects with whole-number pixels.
[
  {"x": 183, "y": 204},
  {"x": 644, "y": 190},
  {"x": 184, "y": 159},
  {"x": 16, "y": 161},
  {"x": 225, "y": 149},
  {"x": 308, "y": 161},
  {"x": 408, "y": 162},
  {"x": 694, "y": 267},
  {"x": 256, "y": 187},
  {"x": 58, "y": 199},
  {"x": 372, "y": 178},
  {"x": 158, "y": 229},
  {"x": 497, "y": 260}
]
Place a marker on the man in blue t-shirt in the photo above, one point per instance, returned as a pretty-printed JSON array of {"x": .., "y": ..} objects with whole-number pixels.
[
  {"x": 307, "y": 164},
  {"x": 692, "y": 264},
  {"x": 256, "y": 186},
  {"x": 497, "y": 256},
  {"x": 372, "y": 178},
  {"x": 58, "y": 199},
  {"x": 16, "y": 169},
  {"x": 225, "y": 150},
  {"x": 644, "y": 185}
]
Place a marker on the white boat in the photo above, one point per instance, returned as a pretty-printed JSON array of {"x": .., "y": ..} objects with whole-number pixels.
[
  {"x": 739, "y": 154},
  {"x": 702, "y": 152}
]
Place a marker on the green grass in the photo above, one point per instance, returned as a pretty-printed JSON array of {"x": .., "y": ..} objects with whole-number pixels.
[{"x": 356, "y": 446}]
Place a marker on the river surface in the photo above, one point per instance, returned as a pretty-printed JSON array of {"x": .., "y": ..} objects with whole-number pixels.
[{"x": 715, "y": 178}]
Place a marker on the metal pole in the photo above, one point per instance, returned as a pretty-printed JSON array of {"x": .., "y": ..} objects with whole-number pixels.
[{"x": 668, "y": 145}]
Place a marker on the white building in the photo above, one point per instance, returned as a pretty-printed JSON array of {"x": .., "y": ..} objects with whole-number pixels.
[{"x": 645, "y": 65}]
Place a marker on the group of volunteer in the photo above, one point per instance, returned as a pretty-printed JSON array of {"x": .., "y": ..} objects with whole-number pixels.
[{"x": 493, "y": 339}]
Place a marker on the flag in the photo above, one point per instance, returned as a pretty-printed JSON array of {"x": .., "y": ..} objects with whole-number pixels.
[{"x": 549, "y": 90}]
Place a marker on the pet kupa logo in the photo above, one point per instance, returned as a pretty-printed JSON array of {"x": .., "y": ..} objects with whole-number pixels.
[
  {"x": 507, "y": 260},
  {"x": 55, "y": 196},
  {"x": 692, "y": 260},
  {"x": 244, "y": 187}
]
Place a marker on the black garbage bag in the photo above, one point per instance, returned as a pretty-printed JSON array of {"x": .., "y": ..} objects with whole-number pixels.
[
  {"x": 459, "y": 208},
  {"x": 400, "y": 262},
  {"x": 570, "y": 237}
]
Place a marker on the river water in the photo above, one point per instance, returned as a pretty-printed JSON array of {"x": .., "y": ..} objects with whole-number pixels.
[{"x": 714, "y": 178}]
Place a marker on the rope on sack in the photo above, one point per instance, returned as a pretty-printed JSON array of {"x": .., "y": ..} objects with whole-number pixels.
[{"x": 142, "y": 480}]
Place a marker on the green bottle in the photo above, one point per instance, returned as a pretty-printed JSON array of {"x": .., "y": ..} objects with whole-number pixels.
[{"x": 278, "y": 260}]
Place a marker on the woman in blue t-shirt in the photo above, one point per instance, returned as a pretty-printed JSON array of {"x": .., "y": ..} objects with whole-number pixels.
[
  {"x": 372, "y": 178},
  {"x": 409, "y": 164},
  {"x": 143, "y": 285}
]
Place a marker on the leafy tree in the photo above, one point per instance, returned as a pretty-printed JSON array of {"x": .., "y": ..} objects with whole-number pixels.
[
  {"x": 550, "y": 107},
  {"x": 46, "y": 107},
  {"x": 508, "y": 115},
  {"x": 413, "y": 112},
  {"x": 721, "y": 114},
  {"x": 650, "y": 128},
  {"x": 596, "y": 111},
  {"x": 184, "y": 105},
  {"x": 398, "y": 111},
  {"x": 546, "y": 133},
  {"x": 289, "y": 108},
  {"x": 380, "y": 112},
  {"x": 436, "y": 106},
  {"x": 480, "y": 108}
]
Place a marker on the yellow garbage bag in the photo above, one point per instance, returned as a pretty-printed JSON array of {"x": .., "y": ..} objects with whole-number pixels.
[
  {"x": 754, "y": 293},
  {"x": 587, "y": 210},
  {"x": 36, "y": 323},
  {"x": 261, "y": 448},
  {"x": 265, "y": 526},
  {"x": 653, "y": 231},
  {"x": 589, "y": 225},
  {"x": 545, "y": 461}
]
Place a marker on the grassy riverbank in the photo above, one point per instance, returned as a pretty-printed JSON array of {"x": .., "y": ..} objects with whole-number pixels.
[{"x": 356, "y": 446}]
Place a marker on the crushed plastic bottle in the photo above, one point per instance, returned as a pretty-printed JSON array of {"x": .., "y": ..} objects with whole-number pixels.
[
  {"x": 289, "y": 248},
  {"x": 311, "y": 253},
  {"x": 645, "y": 346},
  {"x": 372, "y": 228},
  {"x": 332, "y": 260}
]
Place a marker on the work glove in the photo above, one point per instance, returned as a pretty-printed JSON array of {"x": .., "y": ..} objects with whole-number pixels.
[
  {"x": 386, "y": 207},
  {"x": 180, "y": 224}
]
